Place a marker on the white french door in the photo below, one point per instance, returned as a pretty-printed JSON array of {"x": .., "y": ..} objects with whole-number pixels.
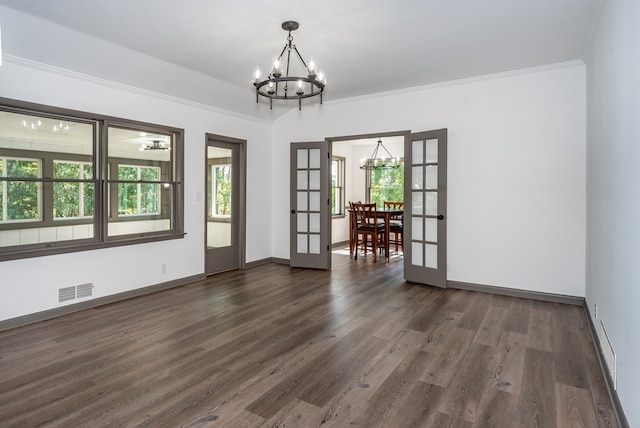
[
  {"x": 425, "y": 208},
  {"x": 310, "y": 225}
]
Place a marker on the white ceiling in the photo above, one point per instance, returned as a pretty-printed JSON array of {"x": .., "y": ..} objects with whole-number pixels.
[{"x": 364, "y": 46}]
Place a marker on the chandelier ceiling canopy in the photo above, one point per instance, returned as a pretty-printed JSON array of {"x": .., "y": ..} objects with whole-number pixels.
[
  {"x": 282, "y": 82},
  {"x": 379, "y": 161}
]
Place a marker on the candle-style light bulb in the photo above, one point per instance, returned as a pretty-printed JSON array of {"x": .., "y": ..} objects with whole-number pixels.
[
  {"x": 256, "y": 74},
  {"x": 300, "y": 87},
  {"x": 277, "y": 71},
  {"x": 312, "y": 68}
]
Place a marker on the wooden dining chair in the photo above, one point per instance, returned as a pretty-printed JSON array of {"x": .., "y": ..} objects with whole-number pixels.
[
  {"x": 352, "y": 227},
  {"x": 396, "y": 235},
  {"x": 367, "y": 226}
]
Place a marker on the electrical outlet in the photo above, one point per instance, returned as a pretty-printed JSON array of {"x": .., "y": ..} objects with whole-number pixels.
[{"x": 163, "y": 268}]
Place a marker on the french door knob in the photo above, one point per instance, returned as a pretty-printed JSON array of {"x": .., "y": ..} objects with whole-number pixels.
[
  {"x": 293, "y": 211},
  {"x": 440, "y": 217}
]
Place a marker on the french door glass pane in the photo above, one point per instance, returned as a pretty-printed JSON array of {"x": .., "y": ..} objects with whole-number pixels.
[
  {"x": 314, "y": 201},
  {"x": 314, "y": 244},
  {"x": 418, "y": 152},
  {"x": 302, "y": 222},
  {"x": 303, "y": 158},
  {"x": 417, "y": 206},
  {"x": 314, "y": 158},
  {"x": 431, "y": 256},
  {"x": 432, "y": 229},
  {"x": 302, "y": 204},
  {"x": 432, "y": 151},
  {"x": 416, "y": 254},
  {"x": 417, "y": 178},
  {"x": 416, "y": 228},
  {"x": 314, "y": 180},
  {"x": 314, "y": 222},
  {"x": 431, "y": 177},
  {"x": 303, "y": 247},
  {"x": 431, "y": 203},
  {"x": 303, "y": 180}
]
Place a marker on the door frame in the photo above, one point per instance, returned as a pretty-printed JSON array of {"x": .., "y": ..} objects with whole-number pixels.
[
  {"x": 405, "y": 134},
  {"x": 241, "y": 147}
]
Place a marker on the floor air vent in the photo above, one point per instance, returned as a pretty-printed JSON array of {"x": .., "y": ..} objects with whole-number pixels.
[
  {"x": 76, "y": 292},
  {"x": 66, "y": 294},
  {"x": 609, "y": 353}
]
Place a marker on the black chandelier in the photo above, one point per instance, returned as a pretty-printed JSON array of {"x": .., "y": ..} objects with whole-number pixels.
[
  {"x": 279, "y": 85},
  {"x": 377, "y": 163},
  {"x": 156, "y": 145}
]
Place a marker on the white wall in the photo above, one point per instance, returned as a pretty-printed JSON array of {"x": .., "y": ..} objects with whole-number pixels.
[
  {"x": 516, "y": 170},
  {"x": 613, "y": 201},
  {"x": 31, "y": 285}
]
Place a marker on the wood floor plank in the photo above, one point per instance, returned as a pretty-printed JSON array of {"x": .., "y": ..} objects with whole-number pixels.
[
  {"x": 389, "y": 398},
  {"x": 574, "y": 407},
  {"x": 278, "y": 346},
  {"x": 446, "y": 363},
  {"x": 492, "y": 326},
  {"x": 510, "y": 359},
  {"x": 463, "y": 396},
  {"x": 537, "y": 402},
  {"x": 570, "y": 364},
  {"x": 541, "y": 331}
]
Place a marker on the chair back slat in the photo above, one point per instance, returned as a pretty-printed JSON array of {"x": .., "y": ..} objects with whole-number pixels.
[{"x": 365, "y": 214}]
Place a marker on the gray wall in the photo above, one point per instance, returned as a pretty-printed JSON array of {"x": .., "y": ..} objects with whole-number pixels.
[{"x": 613, "y": 197}]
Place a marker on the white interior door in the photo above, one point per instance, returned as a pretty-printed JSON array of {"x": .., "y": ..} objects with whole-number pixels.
[
  {"x": 425, "y": 208},
  {"x": 310, "y": 225}
]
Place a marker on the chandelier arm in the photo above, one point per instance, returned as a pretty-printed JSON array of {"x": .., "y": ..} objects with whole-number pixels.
[
  {"x": 302, "y": 60},
  {"x": 280, "y": 56},
  {"x": 374, "y": 155},
  {"x": 385, "y": 149}
]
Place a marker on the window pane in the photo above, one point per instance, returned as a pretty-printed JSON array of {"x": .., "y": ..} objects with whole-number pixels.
[
  {"x": 23, "y": 196},
  {"x": 88, "y": 191},
  {"x": 2, "y": 186},
  {"x": 337, "y": 185},
  {"x": 222, "y": 187},
  {"x": 57, "y": 148},
  {"x": 22, "y": 200},
  {"x": 66, "y": 196},
  {"x": 149, "y": 195},
  {"x": 141, "y": 157},
  {"x": 387, "y": 185}
]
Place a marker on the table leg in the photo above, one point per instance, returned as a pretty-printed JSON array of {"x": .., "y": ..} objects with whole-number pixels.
[{"x": 387, "y": 235}]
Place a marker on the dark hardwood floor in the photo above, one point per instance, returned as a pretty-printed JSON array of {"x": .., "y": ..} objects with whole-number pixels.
[{"x": 276, "y": 346}]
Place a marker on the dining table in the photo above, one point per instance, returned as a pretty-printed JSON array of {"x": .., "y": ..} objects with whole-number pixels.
[{"x": 386, "y": 214}]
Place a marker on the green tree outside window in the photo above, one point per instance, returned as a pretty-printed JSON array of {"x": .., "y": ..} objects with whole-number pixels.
[
  {"x": 22, "y": 197},
  {"x": 138, "y": 198},
  {"x": 386, "y": 185},
  {"x": 222, "y": 185},
  {"x": 72, "y": 199}
]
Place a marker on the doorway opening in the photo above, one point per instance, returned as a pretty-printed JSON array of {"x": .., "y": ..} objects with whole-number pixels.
[
  {"x": 350, "y": 183},
  {"x": 225, "y": 204}
]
